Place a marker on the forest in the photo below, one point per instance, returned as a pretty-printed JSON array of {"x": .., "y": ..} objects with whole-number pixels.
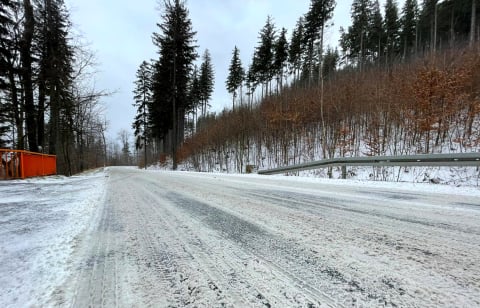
[
  {"x": 403, "y": 80},
  {"x": 48, "y": 102}
]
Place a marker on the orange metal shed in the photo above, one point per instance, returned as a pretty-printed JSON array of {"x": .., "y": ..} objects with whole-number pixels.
[{"x": 19, "y": 164}]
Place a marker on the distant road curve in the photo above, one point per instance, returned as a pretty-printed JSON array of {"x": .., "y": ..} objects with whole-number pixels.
[{"x": 194, "y": 240}]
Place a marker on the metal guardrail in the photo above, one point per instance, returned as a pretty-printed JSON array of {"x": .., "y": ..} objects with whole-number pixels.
[{"x": 427, "y": 160}]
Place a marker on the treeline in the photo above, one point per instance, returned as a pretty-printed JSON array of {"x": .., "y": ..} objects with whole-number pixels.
[
  {"x": 404, "y": 82},
  {"x": 298, "y": 99},
  {"x": 47, "y": 100},
  {"x": 429, "y": 105},
  {"x": 374, "y": 39}
]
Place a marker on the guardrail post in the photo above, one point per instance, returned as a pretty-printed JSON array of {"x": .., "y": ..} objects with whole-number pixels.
[{"x": 344, "y": 172}]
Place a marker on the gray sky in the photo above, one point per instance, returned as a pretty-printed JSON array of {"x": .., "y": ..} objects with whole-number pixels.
[{"x": 120, "y": 34}]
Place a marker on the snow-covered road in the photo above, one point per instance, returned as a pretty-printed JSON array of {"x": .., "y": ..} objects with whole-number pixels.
[{"x": 191, "y": 240}]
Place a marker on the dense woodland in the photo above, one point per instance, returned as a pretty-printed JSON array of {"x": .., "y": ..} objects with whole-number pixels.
[
  {"x": 47, "y": 101},
  {"x": 404, "y": 80}
]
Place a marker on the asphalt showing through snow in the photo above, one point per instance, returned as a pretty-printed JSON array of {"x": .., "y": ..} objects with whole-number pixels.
[{"x": 174, "y": 239}]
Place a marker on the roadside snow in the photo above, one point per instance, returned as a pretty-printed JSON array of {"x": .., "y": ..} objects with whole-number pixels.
[
  {"x": 466, "y": 189},
  {"x": 40, "y": 221}
]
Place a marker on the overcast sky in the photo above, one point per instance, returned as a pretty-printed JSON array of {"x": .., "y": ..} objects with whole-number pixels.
[{"x": 120, "y": 34}]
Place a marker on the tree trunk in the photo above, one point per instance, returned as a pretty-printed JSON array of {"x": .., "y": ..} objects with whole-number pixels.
[
  {"x": 174, "y": 115},
  {"x": 320, "y": 76},
  {"x": 181, "y": 126},
  {"x": 41, "y": 116},
  {"x": 18, "y": 115}
]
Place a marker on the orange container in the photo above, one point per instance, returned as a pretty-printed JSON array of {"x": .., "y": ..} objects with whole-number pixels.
[{"x": 19, "y": 164}]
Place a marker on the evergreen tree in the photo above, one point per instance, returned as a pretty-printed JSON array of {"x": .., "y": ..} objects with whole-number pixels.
[
  {"x": 6, "y": 45},
  {"x": 331, "y": 60},
  {"x": 142, "y": 98},
  {"x": 172, "y": 73},
  {"x": 280, "y": 57},
  {"x": 264, "y": 54},
  {"x": 27, "y": 74},
  {"x": 123, "y": 135},
  {"x": 252, "y": 78},
  {"x": 12, "y": 105},
  {"x": 236, "y": 75},
  {"x": 194, "y": 96},
  {"x": 376, "y": 35},
  {"x": 160, "y": 108},
  {"x": 55, "y": 80},
  {"x": 5, "y": 40},
  {"x": 392, "y": 30},
  {"x": 454, "y": 21},
  {"x": 445, "y": 21},
  {"x": 206, "y": 81},
  {"x": 295, "y": 50},
  {"x": 354, "y": 42},
  {"x": 320, "y": 12},
  {"x": 408, "y": 39},
  {"x": 426, "y": 23}
]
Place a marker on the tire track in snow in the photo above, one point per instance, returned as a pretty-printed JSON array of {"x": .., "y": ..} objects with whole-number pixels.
[
  {"x": 299, "y": 292},
  {"x": 197, "y": 256},
  {"x": 169, "y": 239},
  {"x": 97, "y": 280},
  {"x": 281, "y": 255},
  {"x": 405, "y": 276}
]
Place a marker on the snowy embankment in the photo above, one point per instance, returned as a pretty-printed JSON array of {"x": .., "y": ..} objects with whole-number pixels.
[{"x": 41, "y": 220}]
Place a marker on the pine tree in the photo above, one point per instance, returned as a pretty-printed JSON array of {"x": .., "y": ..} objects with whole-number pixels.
[
  {"x": 55, "y": 80},
  {"x": 5, "y": 40},
  {"x": 392, "y": 30},
  {"x": 27, "y": 74},
  {"x": 426, "y": 23},
  {"x": 265, "y": 54},
  {"x": 6, "y": 45},
  {"x": 142, "y": 98},
  {"x": 160, "y": 108},
  {"x": 354, "y": 41},
  {"x": 295, "y": 50},
  {"x": 252, "y": 79},
  {"x": 280, "y": 57},
  {"x": 206, "y": 81},
  {"x": 376, "y": 35},
  {"x": 331, "y": 60},
  {"x": 454, "y": 21},
  {"x": 194, "y": 95},
  {"x": 408, "y": 39},
  {"x": 124, "y": 135},
  {"x": 173, "y": 72},
  {"x": 236, "y": 75},
  {"x": 320, "y": 12}
]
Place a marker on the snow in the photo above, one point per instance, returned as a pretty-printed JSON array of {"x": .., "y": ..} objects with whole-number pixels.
[
  {"x": 463, "y": 180},
  {"x": 40, "y": 221},
  {"x": 128, "y": 237}
]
